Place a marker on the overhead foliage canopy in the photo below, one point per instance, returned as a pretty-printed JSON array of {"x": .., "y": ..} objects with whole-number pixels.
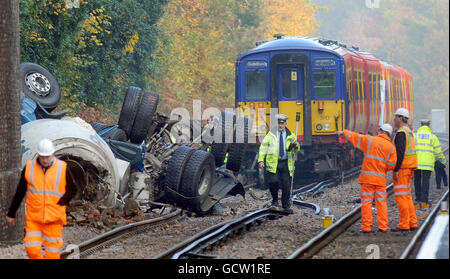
[{"x": 96, "y": 50}]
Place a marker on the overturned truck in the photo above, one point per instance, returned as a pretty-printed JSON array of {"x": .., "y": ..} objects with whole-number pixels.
[{"x": 138, "y": 158}]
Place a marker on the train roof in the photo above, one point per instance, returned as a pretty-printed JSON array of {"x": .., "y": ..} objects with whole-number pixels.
[
  {"x": 289, "y": 43},
  {"x": 312, "y": 43}
]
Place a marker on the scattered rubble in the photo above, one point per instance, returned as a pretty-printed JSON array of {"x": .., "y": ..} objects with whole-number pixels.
[{"x": 85, "y": 213}]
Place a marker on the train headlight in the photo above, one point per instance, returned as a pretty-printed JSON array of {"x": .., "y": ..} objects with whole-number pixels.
[
  {"x": 319, "y": 127},
  {"x": 326, "y": 127}
]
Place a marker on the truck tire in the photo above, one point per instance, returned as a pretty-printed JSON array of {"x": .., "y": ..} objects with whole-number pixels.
[
  {"x": 219, "y": 151},
  {"x": 129, "y": 109},
  {"x": 197, "y": 179},
  {"x": 237, "y": 149},
  {"x": 176, "y": 166},
  {"x": 144, "y": 115},
  {"x": 40, "y": 85},
  {"x": 115, "y": 134},
  {"x": 97, "y": 126}
]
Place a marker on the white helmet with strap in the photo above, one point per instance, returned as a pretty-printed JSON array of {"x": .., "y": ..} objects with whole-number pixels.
[
  {"x": 402, "y": 112},
  {"x": 45, "y": 147},
  {"x": 387, "y": 128}
]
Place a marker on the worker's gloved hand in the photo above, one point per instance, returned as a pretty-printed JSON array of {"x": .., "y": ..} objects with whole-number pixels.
[
  {"x": 294, "y": 144},
  {"x": 395, "y": 176},
  {"x": 62, "y": 201}
]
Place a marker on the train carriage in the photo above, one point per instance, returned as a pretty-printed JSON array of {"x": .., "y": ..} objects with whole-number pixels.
[{"x": 331, "y": 86}]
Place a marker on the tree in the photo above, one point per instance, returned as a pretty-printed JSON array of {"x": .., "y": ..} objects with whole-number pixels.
[
  {"x": 201, "y": 40},
  {"x": 96, "y": 50},
  {"x": 10, "y": 159}
]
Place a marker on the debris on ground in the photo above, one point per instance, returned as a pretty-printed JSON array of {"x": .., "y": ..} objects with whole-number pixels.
[{"x": 85, "y": 213}]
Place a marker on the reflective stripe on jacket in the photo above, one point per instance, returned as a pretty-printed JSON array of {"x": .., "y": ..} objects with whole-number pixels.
[
  {"x": 44, "y": 191},
  {"x": 410, "y": 158},
  {"x": 428, "y": 149},
  {"x": 268, "y": 152},
  {"x": 380, "y": 156}
]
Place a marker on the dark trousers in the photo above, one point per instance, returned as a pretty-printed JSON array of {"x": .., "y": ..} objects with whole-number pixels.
[
  {"x": 282, "y": 180},
  {"x": 422, "y": 184},
  {"x": 441, "y": 175}
]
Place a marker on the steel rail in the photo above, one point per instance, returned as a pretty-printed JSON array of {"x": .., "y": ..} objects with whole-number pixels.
[
  {"x": 193, "y": 246},
  {"x": 314, "y": 245},
  {"x": 418, "y": 236},
  {"x": 101, "y": 241}
]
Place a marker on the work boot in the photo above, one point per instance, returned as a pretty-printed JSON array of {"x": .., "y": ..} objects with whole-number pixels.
[
  {"x": 288, "y": 210},
  {"x": 413, "y": 229},
  {"x": 382, "y": 231},
  {"x": 399, "y": 230},
  {"x": 425, "y": 205},
  {"x": 364, "y": 232},
  {"x": 274, "y": 205}
]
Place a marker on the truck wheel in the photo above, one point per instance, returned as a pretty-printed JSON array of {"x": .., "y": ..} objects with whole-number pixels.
[
  {"x": 97, "y": 126},
  {"x": 129, "y": 109},
  {"x": 197, "y": 179},
  {"x": 40, "y": 85},
  {"x": 237, "y": 149},
  {"x": 115, "y": 134},
  {"x": 176, "y": 167},
  {"x": 143, "y": 120},
  {"x": 219, "y": 151}
]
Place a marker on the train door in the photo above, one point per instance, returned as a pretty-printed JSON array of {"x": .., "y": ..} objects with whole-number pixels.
[{"x": 291, "y": 95}]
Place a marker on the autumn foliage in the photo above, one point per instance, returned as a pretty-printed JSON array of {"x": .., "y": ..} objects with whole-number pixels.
[{"x": 203, "y": 38}]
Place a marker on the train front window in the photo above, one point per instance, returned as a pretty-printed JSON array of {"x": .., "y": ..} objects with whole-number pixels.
[
  {"x": 256, "y": 84},
  {"x": 325, "y": 83}
]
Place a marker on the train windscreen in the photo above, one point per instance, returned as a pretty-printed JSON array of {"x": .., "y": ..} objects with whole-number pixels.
[
  {"x": 256, "y": 85},
  {"x": 325, "y": 83}
]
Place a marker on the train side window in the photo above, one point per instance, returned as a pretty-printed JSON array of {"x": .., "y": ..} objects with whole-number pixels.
[
  {"x": 325, "y": 83},
  {"x": 256, "y": 84}
]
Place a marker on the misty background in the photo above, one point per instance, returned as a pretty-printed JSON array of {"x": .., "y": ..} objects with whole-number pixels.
[{"x": 412, "y": 34}]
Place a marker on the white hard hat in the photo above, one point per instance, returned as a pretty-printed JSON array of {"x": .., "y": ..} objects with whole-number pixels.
[
  {"x": 387, "y": 128},
  {"x": 402, "y": 112},
  {"x": 45, "y": 147}
]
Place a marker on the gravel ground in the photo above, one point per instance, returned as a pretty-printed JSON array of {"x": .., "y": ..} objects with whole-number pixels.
[
  {"x": 266, "y": 242},
  {"x": 353, "y": 245}
]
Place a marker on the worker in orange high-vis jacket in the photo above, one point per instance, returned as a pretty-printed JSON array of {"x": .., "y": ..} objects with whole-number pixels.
[
  {"x": 379, "y": 158},
  {"x": 404, "y": 171},
  {"x": 49, "y": 187}
]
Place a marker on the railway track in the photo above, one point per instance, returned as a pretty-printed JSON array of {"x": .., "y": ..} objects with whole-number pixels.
[
  {"x": 414, "y": 245},
  {"x": 324, "y": 238},
  {"x": 103, "y": 240},
  {"x": 208, "y": 238},
  {"x": 194, "y": 246}
]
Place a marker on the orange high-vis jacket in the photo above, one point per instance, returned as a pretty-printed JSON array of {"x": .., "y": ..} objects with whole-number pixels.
[
  {"x": 379, "y": 156},
  {"x": 410, "y": 158},
  {"x": 44, "y": 191}
]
